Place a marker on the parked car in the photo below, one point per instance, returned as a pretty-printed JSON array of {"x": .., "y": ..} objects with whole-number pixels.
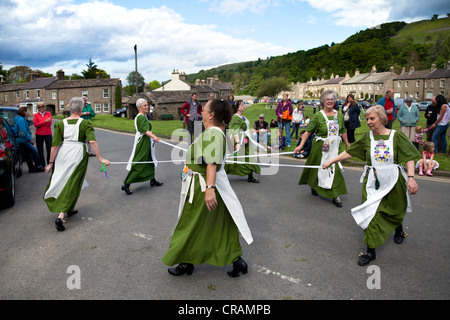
[
  {"x": 7, "y": 164},
  {"x": 120, "y": 113},
  {"x": 9, "y": 113},
  {"x": 365, "y": 105},
  {"x": 399, "y": 102},
  {"x": 424, "y": 105}
]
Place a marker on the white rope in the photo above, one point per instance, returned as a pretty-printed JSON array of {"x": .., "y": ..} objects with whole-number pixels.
[{"x": 277, "y": 164}]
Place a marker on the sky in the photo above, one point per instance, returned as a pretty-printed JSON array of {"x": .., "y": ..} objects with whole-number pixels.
[{"x": 188, "y": 36}]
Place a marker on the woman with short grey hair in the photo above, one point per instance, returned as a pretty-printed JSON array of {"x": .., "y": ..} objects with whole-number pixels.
[
  {"x": 408, "y": 116},
  {"x": 142, "y": 162},
  {"x": 69, "y": 161}
]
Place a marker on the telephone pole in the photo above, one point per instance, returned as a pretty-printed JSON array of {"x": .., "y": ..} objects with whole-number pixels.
[{"x": 135, "y": 62}]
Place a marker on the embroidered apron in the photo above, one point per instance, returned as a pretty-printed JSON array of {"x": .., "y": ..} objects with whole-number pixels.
[
  {"x": 382, "y": 177},
  {"x": 137, "y": 137},
  {"x": 69, "y": 156},
  {"x": 228, "y": 195},
  {"x": 330, "y": 150}
]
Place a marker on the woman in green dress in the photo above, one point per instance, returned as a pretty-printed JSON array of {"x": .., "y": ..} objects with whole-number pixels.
[
  {"x": 210, "y": 216},
  {"x": 385, "y": 183},
  {"x": 143, "y": 151},
  {"x": 328, "y": 125},
  {"x": 239, "y": 130},
  {"x": 69, "y": 161}
]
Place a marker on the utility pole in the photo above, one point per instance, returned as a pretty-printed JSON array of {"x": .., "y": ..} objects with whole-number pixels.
[{"x": 135, "y": 62}]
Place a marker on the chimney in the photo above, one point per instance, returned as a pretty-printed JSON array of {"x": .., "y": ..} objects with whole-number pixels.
[
  {"x": 35, "y": 75},
  {"x": 183, "y": 76},
  {"x": 391, "y": 69},
  {"x": 433, "y": 67},
  {"x": 412, "y": 69},
  {"x": 1, "y": 80},
  {"x": 356, "y": 72},
  {"x": 99, "y": 76},
  {"x": 60, "y": 74},
  {"x": 374, "y": 69},
  {"x": 347, "y": 75},
  {"x": 403, "y": 70},
  {"x": 175, "y": 75}
]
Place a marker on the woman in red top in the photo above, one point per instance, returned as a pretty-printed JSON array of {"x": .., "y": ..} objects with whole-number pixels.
[{"x": 42, "y": 120}]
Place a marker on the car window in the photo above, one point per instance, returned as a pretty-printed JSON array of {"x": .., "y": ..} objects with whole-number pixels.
[
  {"x": 9, "y": 116},
  {"x": 5, "y": 134}
]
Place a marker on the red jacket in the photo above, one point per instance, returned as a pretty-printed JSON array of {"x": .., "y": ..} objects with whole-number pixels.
[
  {"x": 187, "y": 106},
  {"x": 43, "y": 128}
]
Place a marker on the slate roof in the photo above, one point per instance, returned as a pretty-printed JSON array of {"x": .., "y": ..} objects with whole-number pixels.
[
  {"x": 357, "y": 79},
  {"x": 12, "y": 87},
  {"x": 39, "y": 83},
  {"x": 84, "y": 83},
  {"x": 377, "y": 77}
]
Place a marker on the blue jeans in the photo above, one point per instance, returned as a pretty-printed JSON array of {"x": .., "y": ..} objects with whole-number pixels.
[
  {"x": 286, "y": 126},
  {"x": 440, "y": 132},
  {"x": 33, "y": 155}
]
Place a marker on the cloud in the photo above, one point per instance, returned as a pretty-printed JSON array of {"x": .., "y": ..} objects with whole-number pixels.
[
  {"x": 231, "y": 7},
  {"x": 51, "y": 34}
]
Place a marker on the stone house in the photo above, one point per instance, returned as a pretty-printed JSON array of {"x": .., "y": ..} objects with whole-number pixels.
[{"x": 56, "y": 93}]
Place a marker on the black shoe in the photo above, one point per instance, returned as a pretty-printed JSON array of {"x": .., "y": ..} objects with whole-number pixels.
[
  {"x": 253, "y": 179},
  {"x": 59, "y": 225},
  {"x": 239, "y": 266},
  {"x": 36, "y": 169},
  {"x": 314, "y": 192},
  {"x": 399, "y": 237},
  {"x": 365, "y": 258},
  {"x": 337, "y": 202},
  {"x": 153, "y": 183},
  {"x": 181, "y": 269},
  {"x": 126, "y": 188},
  {"x": 71, "y": 213}
]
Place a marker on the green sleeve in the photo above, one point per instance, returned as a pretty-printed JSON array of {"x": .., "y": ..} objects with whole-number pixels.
[
  {"x": 58, "y": 133},
  {"x": 88, "y": 129},
  {"x": 359, "y": 148},
  {"x": 143, "y": 124},
  {"x": 213, "y": 147},
  {"x": 313, "y": 123},
  {"x": 341, "y": 123}
]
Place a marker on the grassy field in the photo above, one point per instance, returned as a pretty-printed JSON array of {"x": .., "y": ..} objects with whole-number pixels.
[
  {"x": 424, "y": 32},
  {"x": 165, "y": 128}
]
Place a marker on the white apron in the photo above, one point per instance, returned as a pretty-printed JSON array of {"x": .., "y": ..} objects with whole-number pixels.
[
  {"x": 137, "y": 137},
  {"x": 330, "y": 150},
  {"x": 226, "y": 192},
  {"x": 247, "y": 134},
  {"x": 68, "y": 158},
  {"x": 383, "y": 175}
]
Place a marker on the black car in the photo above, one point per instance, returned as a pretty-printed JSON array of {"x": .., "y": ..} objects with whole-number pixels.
[
  {"x": 9, "y": 113},
  {"x": 121, "y": 112},
  {"x": 7, "y": 164}
]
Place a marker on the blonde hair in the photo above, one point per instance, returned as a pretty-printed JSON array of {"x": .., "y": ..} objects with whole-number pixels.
[
  {"x": 419, "y": 129},
  {"x": 428, "y": 146},
  {"x": 379, "y": 110}
]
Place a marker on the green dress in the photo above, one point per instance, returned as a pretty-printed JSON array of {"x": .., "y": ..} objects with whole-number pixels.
[
  {"x": 237, "y": 124},
  {"x": 68, "y": 197},
  {"x": 142, "y": 172},
  {"x": 202, "y": 236},
  {"x": 392, "y": 208},
  {"x": 319, "y": 126}
]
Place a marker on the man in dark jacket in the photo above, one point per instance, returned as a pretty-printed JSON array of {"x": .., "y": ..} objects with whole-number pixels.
[{"x": 192, "y": 110}]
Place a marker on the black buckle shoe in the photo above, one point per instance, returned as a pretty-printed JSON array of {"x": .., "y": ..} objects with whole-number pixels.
[
  {"x": 59, "y": 225},
  {"x": 399, "y": 237},
  {"x": 181, "y": 269},
  {"x": 314, "y": 192},
  {"x": 126, "y": 188},
  {"x": 239, "y": 266},
  {"x": 337, "y": 202},
  {"x": 365, "y": 258}
]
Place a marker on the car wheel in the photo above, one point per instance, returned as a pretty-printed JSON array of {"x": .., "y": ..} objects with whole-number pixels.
[
  {"x": 122, "y": 115},
  {"x": 9, "y": 195}
]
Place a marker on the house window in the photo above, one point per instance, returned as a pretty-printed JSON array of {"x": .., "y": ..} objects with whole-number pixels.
[
  {"x": 370, "y": 87},
  {"x": 105, "y": 93},
  {"x": 399, "y": 84},
  {"x": 38, "y": 93},
  {"x": 417, "y": 95},
  {"x": 84, "y": 93},
  {"x": 424, "y": 84},
  {"x": 17, "y": 94},
  {"x": 54, "y": 95},
  {"x": 61, "y": 104},
  {"x": 106, "y": 107},
  {"x": 406, "y": 84},
  {"x": 442, "y": 83},
  {"x": 429, "y": 94},
  {"x": 417, "y": 84},
  {"x": 5, "y": 98},
  {"x": 27, "y": 94},
  {"x": 98, "y": 107}
]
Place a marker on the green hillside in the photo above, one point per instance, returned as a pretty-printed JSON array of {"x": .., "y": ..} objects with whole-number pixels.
[{"x": 396, "y": 44}]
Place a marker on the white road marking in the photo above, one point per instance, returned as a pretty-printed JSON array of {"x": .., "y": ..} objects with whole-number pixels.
[{"x": 270, "y": 272}]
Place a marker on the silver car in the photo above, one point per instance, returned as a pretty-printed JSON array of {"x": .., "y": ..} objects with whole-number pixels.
[{"x": 424, "y": 105}]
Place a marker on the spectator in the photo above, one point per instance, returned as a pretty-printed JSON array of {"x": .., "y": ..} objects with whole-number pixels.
[
  {"x": 388, "y": 104},
  {"x": 273, "y": 123},
  {"x": 42, "y": 120},
  {"x": 419, "y": 136},
  {"x": 431, "y": 114},
  {"x": 304, "y": 152},
  {"x": 192, "y": 110},
  {"x": 284, "y": 117},
  {"x": 297, "y": 119},
  {"x": 408, "y": 116},
  {"x": 261, "y": 131},
  {"x": 24, "y": 141},
  {"x": 427, "y": 162},
  {"x": 351, "y": 112},
  {"x": 87, "y": 114},
  {"x": 441, "y": 124},
  {"x": 281, "y": 140}
]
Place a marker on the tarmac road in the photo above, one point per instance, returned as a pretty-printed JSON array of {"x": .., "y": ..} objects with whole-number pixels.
[{"x": 304, "y": 247}]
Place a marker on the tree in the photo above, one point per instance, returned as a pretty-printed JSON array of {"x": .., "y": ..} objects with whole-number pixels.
[
  {"x": 19, "y": 74},
  {"x": 118, "y": 97},
  {"x": 92, "y": 71},
  {"x": 154, "y": 85},
  {"x": 131, "y": 80},
  {"x": 272, "y": 87}
]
